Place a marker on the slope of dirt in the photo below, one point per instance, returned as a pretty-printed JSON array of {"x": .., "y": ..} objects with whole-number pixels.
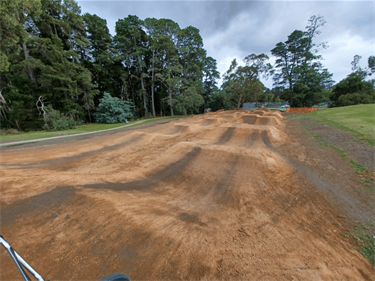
[
  {"x": 328, "y": 170},
  {"x": 225, "y": 195}
]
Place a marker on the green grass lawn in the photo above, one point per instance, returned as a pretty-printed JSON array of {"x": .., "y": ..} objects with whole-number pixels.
[
  {"x": 358, "y": 119},
  {"x": 80, "y": 129}
]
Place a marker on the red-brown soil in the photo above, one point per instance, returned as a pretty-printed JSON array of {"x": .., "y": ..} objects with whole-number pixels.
[{"x": 228, "y": 195}]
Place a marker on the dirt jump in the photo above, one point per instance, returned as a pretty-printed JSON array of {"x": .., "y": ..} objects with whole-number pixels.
[{"x": 210, "y": 197}]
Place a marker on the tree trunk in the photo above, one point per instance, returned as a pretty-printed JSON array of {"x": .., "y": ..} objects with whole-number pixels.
[
  {"x": 153, "y": 84},
  {"x": 239, "y": 101},
  {"x": 25, "y": 50},
  {"x": 170, "y": 91},
  {"x": 126, "y": 91},
  {"x": 26, "y": 53},
  {"x": 18, "y": 126},
  {"x": 89, "y": 115},
  {"x": 143, "y": 89},
  {"x": 144, "y": 98},
  {"x": 152, "y": 98},
  {"x": 290, "y": 84},
  {"x": 170, "y": 98}
]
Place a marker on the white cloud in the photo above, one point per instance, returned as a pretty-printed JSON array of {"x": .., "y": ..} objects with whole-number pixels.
[
  {"x": 342, "y": 48},
  {"x": 235, "y": 29}
]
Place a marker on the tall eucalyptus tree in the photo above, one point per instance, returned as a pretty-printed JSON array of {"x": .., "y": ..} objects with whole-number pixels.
[{"x": 132, "y": 42}]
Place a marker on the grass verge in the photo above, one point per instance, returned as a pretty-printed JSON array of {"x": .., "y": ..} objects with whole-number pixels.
[
  {"x": 358, "y": 167},
  {"x": 364, "y": 174},
  {"x": 85, "y": 128},
  {"x": 362, "y": 237},
  {"x": 357, "y": 119},
  {"x": 360, "y": 121}
]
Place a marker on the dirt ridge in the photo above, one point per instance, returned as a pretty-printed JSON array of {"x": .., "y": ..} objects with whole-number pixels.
[{"x": 211, "y": 197}]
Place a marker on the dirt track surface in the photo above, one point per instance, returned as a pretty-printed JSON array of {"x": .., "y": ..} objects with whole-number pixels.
[{"x": 220, "y": 196}]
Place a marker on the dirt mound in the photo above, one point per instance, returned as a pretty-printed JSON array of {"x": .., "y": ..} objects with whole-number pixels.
[
  {"x": 256, "y": 119},
  {"x": 276, "y": 114},
  {"x": 259, "y": 112},
  {"x": 230, "y": 117},
  {"x": 207, "y": 197},
  {"x": 240, "y": 136},
  {"x": 179, "y": 129},
  {"x": 210, "y": 121}
]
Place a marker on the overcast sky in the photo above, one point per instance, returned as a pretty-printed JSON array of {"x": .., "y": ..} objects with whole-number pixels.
[{"x": 235, "y": 29}]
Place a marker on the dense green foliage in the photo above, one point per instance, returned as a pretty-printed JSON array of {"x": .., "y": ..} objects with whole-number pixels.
[
  {"x": 299, "y": 69},
  {"x": 113, "y": 110},
  {"x": 353, "y": 90},
  {"x": 52, "y": 56},
  {"x": 241, "y": 83},
  {"x": 43, "y": 61},
  {"x": 55, "y": 122},
  {"x": 50, "y": 51}
]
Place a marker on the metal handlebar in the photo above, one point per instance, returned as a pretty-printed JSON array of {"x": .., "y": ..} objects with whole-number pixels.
[{"x": 20, "y": 262}]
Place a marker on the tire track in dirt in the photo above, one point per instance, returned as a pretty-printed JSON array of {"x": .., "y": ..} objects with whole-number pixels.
[
  {"x": 207, "y": 197},
  {"x": 254, "y": 136},
  {"x": 226, "y": 136},
  {"x": 340, "y": 196},
  {"x": 40, "y": 202},
  {"x": 171, "y": 171}
]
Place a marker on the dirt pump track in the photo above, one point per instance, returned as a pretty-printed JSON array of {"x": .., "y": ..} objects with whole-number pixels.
[{"x": 208, "y": 197}]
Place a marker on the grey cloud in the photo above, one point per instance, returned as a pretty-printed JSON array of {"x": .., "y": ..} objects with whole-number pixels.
[{"x": 239, "y": 28}]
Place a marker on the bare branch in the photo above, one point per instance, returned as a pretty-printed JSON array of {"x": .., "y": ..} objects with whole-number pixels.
[{"x": 41, "y": 107}]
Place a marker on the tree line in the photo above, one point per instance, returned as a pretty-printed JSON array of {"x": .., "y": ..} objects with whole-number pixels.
[
  {"x": 58, "y": 65},
  {"x": 298, "y": 74},
  {"x": 55, "y": 59}
]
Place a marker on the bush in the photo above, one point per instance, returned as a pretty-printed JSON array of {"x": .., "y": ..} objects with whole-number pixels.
[
  {"x": 189, "y": 102},
  {"x": 113, "y": 110},
  {"x": 54, "y": 121},
  {"x": 355, "y": 98},
  {"x": 353, "y": 90}
]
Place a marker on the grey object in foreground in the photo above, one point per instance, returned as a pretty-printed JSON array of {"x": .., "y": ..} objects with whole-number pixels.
[
  {"x": 22, "y": 264},
  {"x": 116, "y": 277}
]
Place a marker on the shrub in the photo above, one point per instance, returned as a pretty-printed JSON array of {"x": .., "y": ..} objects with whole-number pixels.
[
  {"x": 355, "y": 98},
  {"x": 189, "y": 102},
  {"x": 353, "y": 90},
  {"x": 54, "y": 121},
  {"x": 113, "y": 110}
]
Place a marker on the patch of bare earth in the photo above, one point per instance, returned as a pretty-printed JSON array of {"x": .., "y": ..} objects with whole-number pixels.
[
  {"x": 229, "y": 195},
  {"x": 361, "y": 151},
  {"x": 327, "y": 168}
]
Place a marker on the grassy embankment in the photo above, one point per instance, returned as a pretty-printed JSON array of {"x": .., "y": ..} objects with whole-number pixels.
[
  {"x": 85, "y": 128},
  {"x": 360, "y": 121},
  {"x": 357, "y": 119}
]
